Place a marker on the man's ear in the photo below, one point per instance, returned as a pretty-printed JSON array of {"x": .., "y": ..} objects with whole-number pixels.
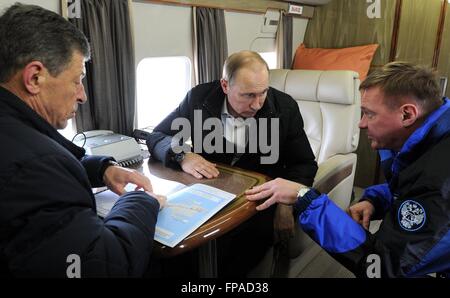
[
  {"x": 224, "y": 84},
  {"x": 33, "y": 76},
  {"x": 410, "y": 114}
]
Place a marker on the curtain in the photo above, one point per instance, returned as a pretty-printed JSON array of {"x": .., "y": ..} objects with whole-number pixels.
[
  {"x": 287, "y": 39},
  {"x": 419, "y": 21},
  {"x": 284, "y": 42},
  {"x": 345, "y": 23},
  {"x": 444, "y": 57},
  {"x": 210, "y": 44},
  {"x": 110, "y": 75}
]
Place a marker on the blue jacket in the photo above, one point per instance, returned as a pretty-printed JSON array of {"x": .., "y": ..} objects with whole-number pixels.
[
  {"x": 47, "y": 209},
  {"x": 414, "y": 237}
]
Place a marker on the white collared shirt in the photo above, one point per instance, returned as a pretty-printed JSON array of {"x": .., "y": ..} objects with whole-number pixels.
[{"x": 235, "y": 130}]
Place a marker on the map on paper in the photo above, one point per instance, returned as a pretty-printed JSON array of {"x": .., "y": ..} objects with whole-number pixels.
[
  {"x": 188, "y": 209},
  {"x": 105, "y": 200}
]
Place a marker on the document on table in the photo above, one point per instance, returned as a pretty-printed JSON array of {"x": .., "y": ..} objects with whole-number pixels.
[
  {"x": 187, "y": 207},
  {"x": 186, "y": 210},
  {"x": 105, "y": 200}
]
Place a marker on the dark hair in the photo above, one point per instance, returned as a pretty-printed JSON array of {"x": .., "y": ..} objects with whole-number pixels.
[
  {"x": 406, "y": 79},
  {"x": 32, "y": 33},
  {"x": 240, "y": 60}
]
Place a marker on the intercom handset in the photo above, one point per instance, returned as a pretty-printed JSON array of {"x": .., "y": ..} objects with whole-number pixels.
[
  {"x": 105, "y": 142},
  {"x": 141, "y": 134}
]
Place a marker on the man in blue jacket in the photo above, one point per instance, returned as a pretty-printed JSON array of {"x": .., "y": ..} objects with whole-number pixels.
[
  {"x": 409, "y": 123},
  {"x": 48, "y": 221}
]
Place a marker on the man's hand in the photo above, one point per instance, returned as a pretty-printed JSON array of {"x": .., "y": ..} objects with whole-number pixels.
[
  {"x": 161, "y": 199},
  {"x": 198, "y": 167},
  {"x": 284, "y": 223},
  {"x": 361, "y": 213},
  {"x": 116, "y": 178},
  {"x": 277, "y": 191}
]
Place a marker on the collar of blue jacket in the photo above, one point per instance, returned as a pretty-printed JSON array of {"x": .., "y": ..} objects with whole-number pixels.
[{"x": 432, "y": 130}]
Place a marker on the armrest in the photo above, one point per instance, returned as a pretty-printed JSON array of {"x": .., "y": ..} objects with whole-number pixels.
[
  {"x": 333, "y": 171},
  {"x": 330, "y": 174}
]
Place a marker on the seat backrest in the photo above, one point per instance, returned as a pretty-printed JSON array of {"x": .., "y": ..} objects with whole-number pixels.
[{"x": 329, "y": 102}]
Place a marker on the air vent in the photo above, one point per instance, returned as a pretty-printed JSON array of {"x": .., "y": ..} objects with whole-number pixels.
[{"x": 273, "y": 23}]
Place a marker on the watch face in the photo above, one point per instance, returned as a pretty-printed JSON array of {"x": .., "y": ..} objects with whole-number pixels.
[
  {"x": 179, "y": 157},
  {"x": 303, "y": 191}
]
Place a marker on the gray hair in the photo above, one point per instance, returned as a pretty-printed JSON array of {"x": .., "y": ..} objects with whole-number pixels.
[
  {"x": 240, "y": 60},
  {"x": 32, "y": 33}
]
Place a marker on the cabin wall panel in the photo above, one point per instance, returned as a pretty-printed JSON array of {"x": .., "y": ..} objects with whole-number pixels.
[
  {"x": 251, "y": 38},
  {"x": 162, "y": 31}
]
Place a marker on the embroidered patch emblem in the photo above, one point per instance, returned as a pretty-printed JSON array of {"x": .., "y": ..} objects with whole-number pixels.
[{"x": 411, "y": 215}]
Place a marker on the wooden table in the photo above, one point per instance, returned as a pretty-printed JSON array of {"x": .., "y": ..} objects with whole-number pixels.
[{"x": 230, "y": 179}]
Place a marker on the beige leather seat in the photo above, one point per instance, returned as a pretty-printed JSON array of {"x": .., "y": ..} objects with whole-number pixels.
[{"x": 329, "y": 102}]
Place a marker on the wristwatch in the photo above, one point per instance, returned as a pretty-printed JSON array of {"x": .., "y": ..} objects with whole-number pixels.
[
  {"x": 305, "y": 196},
  {"x": 178, "y": 157},
  {"x": 112, "y": 163},
  {"x": 106, "y": 165},
  {"x": 302, "y": 191}
]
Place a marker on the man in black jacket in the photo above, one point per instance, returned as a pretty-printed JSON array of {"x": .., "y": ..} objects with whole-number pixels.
[
  {"x": 48, "y": 221},
  {"x": 243, "y": 122}
]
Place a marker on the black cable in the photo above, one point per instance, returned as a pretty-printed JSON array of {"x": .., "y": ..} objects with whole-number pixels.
[{"x": 80, "y": 133}]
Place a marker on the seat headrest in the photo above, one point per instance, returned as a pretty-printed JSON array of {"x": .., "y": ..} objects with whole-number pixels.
[
  {"x": 331, "y": 86},
  {"x": 329, "y": 102}
]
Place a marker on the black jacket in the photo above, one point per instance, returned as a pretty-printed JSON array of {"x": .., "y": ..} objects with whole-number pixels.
[
  {"x": 296, "y": 159},
  {"x": 47, "y": 209},
  {"x": 414, "y": 237}
]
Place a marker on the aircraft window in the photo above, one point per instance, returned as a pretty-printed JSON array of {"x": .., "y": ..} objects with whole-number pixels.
[
  {"x": 162, "y": 83},
  {"x": 271, "y": 59}
]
